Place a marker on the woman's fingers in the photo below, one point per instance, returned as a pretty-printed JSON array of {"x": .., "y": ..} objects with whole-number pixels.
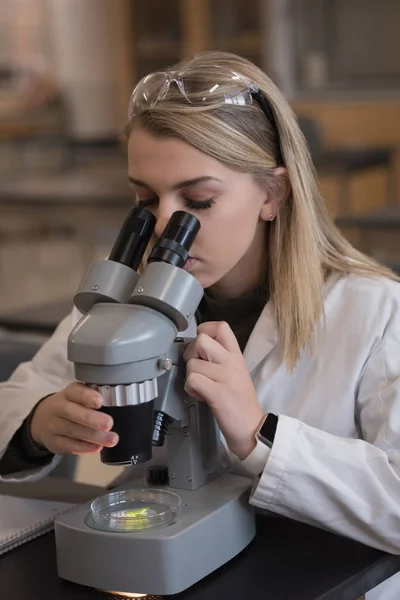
[
  {"x": 200, "y": 387},
  {"x": 222, "y": 333},
  {"x": 203, "y": 367},
  {"x": 65, "y": 445},
  {"x": 84, "y": 395},
  {"x": 66, "y": 428},
  {"x": 77, "y": 413},
  {"x": 206, "y": 348}
]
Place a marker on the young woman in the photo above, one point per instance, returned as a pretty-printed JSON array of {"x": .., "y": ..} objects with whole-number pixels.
[{"x": 298, "y": 350}]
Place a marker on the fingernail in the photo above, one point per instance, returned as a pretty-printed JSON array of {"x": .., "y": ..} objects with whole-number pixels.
[
  {"x": 112, "y": 439},
  {"x": 98, "y": 401},
  {"x": 107, "y": 423}
]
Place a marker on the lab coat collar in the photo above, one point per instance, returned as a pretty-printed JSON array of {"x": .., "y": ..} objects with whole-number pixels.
[
  {"x": 265, "y": 334},
  {"x": 263, "y": 338}
]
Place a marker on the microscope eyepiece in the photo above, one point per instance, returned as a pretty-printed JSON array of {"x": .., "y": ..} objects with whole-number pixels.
[
  {"x": 133, "y": 238},
  {"x": 176, "y": 240}
]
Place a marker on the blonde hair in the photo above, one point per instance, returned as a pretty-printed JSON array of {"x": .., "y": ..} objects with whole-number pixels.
[{"x": 304, "y": 243}]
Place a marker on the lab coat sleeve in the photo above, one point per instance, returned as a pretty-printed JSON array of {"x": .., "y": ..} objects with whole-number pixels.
[
  {"x": 348, "y": 486},
  {"x": 49, "y": 371}
]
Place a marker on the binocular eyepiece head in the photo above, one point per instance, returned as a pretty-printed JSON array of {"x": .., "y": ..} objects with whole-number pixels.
[{"x": 132, "y": 406}]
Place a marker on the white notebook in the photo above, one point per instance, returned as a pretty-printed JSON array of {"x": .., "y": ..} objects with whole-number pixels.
[{"x": 23, "y": 519}]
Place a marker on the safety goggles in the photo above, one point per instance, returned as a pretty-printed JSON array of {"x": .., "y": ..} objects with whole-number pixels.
[{"x": 223, "y": 87}]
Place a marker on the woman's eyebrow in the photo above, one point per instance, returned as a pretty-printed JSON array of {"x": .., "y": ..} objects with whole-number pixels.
[{"x": 177, "y": 186}]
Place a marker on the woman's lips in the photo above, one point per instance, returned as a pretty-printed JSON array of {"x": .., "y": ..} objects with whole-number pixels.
[{"x": 189, "y": 264}]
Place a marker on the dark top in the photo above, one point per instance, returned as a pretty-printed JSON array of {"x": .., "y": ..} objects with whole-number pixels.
[{"x": 241, "y": 313}]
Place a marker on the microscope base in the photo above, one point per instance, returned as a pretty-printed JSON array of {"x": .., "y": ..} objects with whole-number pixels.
[{"x": 216, "y": 524}]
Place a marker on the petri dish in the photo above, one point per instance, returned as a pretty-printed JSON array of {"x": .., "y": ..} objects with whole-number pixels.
[{"x": 136, "y": 509}]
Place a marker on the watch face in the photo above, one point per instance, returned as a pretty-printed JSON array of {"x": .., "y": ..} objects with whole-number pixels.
[{"x": 268, "y": 429}]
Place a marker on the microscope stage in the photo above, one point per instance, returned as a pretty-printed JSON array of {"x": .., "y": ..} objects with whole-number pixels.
[{"x": 215, "y": 524}]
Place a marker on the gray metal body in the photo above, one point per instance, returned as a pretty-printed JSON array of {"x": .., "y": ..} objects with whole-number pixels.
[
  {"x": 128, "y": 352},
  {"x": 105, "y": 281},
  {"x": 216, "y": 524}
]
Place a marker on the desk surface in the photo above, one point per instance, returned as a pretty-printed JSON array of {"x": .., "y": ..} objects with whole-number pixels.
[
  {"x": 286, "y": 561},
  {"x": 387, "y": 217}
]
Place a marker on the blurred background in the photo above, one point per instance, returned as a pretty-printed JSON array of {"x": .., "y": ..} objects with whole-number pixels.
[{"x": 67, "y": 68}]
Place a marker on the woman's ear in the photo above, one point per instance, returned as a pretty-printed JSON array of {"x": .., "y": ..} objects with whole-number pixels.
[{"x": 278, "y": 191}]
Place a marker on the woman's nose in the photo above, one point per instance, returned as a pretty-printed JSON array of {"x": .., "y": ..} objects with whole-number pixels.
[{"x": 163, "y": 215}]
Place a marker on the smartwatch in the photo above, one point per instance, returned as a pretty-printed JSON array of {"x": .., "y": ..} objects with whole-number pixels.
[{"x": 266, "y": 432}]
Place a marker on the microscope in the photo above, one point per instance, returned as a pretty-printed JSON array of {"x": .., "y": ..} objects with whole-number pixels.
[{"x": 162, "y": 533}]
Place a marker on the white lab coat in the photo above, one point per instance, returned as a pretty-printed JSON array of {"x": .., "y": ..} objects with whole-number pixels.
[{"x": 335, "y": 461}]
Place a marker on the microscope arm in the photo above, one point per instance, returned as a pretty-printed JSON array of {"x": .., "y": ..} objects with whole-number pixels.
[{"x": 192, "y": 436}]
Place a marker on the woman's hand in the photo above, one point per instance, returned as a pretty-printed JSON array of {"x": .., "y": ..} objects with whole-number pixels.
[
  {"x": 216, "y": 373},
  {"x": 68, "y": 423}
]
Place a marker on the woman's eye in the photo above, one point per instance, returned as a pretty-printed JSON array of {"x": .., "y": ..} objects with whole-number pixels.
[
  {"x": 200, "y": 205},
  {"x": 191, "y": 204}
]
